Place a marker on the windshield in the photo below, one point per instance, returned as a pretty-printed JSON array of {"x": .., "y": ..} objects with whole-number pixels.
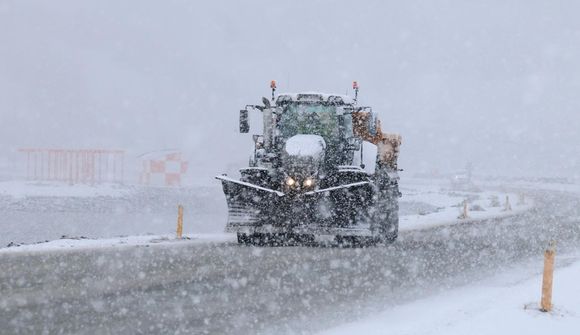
[{"x": 314, "y": 119}]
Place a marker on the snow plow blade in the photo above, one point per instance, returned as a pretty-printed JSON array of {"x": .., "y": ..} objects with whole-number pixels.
[
  {"x": 252, "y": 208},
  {"x": 248, "y": 203}
]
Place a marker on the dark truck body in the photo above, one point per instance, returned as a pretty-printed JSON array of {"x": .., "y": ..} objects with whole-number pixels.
[{"x": 306, "y": 178}]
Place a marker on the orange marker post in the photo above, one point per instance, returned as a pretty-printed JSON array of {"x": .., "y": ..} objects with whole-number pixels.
[
  {"x": 179, "y": 221},
  {"x": 547, "y": 282}
]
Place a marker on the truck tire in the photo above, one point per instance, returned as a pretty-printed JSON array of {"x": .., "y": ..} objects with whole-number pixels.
[
  {"x": 355, "y": 241},
  {"x": 391, "y": 231},
  {"x": 243, "y": 238},
  {"x": 251, "y": 239}
]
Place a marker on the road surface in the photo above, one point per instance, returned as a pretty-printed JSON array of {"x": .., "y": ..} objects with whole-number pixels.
[{"x": 223, "y": 288}]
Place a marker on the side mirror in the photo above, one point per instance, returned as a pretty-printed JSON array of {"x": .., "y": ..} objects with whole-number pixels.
[
  {"x": 258, "y": 141},
  {"x": 266, "y": 102},
  {"x": 244, "y": 124}
]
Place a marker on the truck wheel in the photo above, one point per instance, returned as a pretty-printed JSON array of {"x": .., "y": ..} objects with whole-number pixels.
[
  {"x": 355, "y": 241},
  {"x": 243, "y": 238},
  {"x": 391, "y": 230},
  {"x": 344, "y": 241},
  {"x": 251, "y": 239}
]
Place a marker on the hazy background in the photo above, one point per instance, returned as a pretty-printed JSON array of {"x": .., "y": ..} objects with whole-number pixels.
[{"x": 496, "y": 83}]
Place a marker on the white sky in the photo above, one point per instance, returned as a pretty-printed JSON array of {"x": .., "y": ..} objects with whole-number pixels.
[{"x": 494, "y": 82}]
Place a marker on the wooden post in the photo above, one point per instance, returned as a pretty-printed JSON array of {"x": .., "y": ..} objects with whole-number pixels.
[
  {"x": 522, "y": 200},
  {"x": 546, "y": 304},
  {"x": 464, "y": 214},
  {"x": 508, "y": 206},
  {"x": 179, "y": 221}
]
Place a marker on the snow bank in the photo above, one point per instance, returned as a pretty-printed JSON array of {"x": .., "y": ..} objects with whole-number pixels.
[
  {"x": 143, "y": 240},
  {"x": 505, "y": 304},
  {"x": 22, "y": 189},
  {"x": 434, "y": 205}
]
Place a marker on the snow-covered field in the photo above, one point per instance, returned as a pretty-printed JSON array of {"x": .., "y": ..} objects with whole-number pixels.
[{"x": 504, "y": 304}]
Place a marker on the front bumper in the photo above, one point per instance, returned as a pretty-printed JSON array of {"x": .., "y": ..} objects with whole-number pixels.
[
  {"x": 316, "y": 230},
  {"x": 255, "y": 209}
]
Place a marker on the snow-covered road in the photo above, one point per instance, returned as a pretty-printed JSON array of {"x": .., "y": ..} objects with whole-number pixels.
[{"x": 225, "y": 288}]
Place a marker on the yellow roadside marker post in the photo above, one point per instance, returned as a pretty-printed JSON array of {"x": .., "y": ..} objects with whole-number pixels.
[
  {"x": 546, "y": 304},
  {"x": 508, "y": 206},
  {"x": 465, "y": 213},
  {"x": 522, "y": 200},
  {"x": 179, "y": 221}
]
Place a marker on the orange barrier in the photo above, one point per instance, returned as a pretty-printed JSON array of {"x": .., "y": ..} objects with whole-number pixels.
[{"x": 73, "y": 165}]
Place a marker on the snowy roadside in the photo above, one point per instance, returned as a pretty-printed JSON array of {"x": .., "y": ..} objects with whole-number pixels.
[
  {"x": 72, "y": 243},
  {"x": 448, "y": 213},
  {"x": 425, "y": 204},
  {"x": 445, "y": 215},
  {"x": 433, "y": 204},
  {"x": 34, "y": 212},
  {"x": 23, "y": 189},
  {"x": 505, "y": 304}
]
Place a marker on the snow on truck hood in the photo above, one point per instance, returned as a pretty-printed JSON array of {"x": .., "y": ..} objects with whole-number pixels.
[{"x": 305, "y": 145}]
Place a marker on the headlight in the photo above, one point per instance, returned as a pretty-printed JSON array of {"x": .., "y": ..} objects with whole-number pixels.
[
  {"x": 308, "y": 182},
  {"x": 290, "y": 181}
]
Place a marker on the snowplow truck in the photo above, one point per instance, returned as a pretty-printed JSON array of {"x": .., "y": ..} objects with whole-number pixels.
[{"x": 306, "y": 177}]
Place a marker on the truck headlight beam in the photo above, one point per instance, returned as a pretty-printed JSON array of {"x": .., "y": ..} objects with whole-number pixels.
[{"x": 290, "y": 181}]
